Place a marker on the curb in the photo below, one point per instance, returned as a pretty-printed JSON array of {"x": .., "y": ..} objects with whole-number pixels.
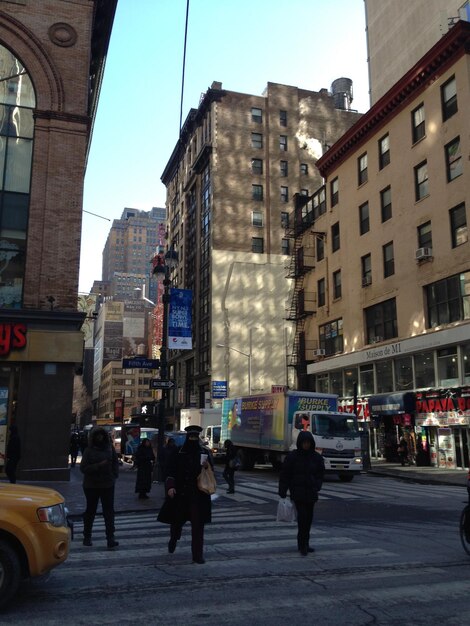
[{"x": 428, "y": 480}]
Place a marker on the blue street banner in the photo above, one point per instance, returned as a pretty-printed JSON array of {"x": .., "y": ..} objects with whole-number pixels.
[
  {"x": 219, "y": 389},
  {"x": 180, "y": 320}
]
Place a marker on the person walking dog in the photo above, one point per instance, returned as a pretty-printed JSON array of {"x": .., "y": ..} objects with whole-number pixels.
[{"x": 302, "y": 475}]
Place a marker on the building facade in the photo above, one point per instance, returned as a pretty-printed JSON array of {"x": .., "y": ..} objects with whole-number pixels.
[
  {"x": 399, "y": 33},
  {"x": 390, "y": 261},
  {"x": 52, "y": 60},
  {"x": 230, "y": 180}
]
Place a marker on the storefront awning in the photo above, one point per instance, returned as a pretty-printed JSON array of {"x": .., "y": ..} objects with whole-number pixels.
[{"x": 392, "y": 403}]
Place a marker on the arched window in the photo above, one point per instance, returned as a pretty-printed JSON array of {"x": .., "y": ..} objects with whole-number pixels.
[{"x": 17, "y": 100}]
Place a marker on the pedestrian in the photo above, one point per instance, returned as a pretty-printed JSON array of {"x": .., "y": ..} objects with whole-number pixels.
[
  {"x": 74, "y": 448},
  {"x": 12, "y": 453},
  {"x": 302, "y": 475},
  {"x": 144, "y": 460},
  {"x": 403, "y": 450},
  {"x": 100, "y": 467},
  {"x": 83, "y": 441},
  {"x": 229, "y": 471},
  {"x": 184, "y": 500},
  {"x": 167, "y": 451}
]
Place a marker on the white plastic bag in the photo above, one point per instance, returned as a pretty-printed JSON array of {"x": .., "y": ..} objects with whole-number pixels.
[{"x": 286, "y": 511}]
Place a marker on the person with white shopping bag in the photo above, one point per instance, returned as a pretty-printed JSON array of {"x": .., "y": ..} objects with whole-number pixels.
[{"x": 302, "y": 475}]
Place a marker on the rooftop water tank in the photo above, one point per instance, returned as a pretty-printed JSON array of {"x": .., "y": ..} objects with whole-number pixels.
[{"x": 342, "y": 91}]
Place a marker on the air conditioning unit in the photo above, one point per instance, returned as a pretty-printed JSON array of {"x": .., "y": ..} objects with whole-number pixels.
[
  {"x": 376, "y": 339},
  {"x": 423, "y": 253},
  {"x": 366, "y": 280},
  {"x": 319, "y": 352}
]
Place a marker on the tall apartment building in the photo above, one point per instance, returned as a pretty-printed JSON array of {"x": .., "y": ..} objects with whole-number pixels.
[
  {"x": 52, "y": 57},
  {"x": 389, "y": 258},
  {"x": 230, "y": 180}
]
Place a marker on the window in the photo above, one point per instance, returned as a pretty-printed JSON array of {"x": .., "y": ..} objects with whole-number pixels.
[
  {"x": 335, "y": 237},
  {"x": 284, "y": 194},
  {"x": 257, "y": 192},
  {"x": 334, "y": 191},
  {"x": 337, "y": 284},
  {"x": 257, "y": 218},
  {"x": 448, "y": 300},
  {"x": 320, "y": 248},
  {"x": 447, "y": 367},
  {"x": 257, "y": 244},
  {"x": 366, "y": 270},
  {"x": 421, "y": 180},
  {"x": 381, "y": 321},
  {"x": 283, "y": 143},
  {"x": 403, "y": 373},
  {"x": 465, "y": 352},
  {"x": 418, "y": 123},
  {"x": 336, "y": 382},
  {"x": 331, "y": 337},
  {"x": 256, "y": 115},
  {"x": 366, "y": 379},
  {"x": 384, "y": 376},
  {"x": 458, "y": 225},
  {"x": 257, "y": 166},
  {"x": 386, "y": 204},
  {"x": 284, "y": 219},
  {"x": 321, "y": 292},
  {"x": 424, "y": 370},
  {"x": 449, "y": 99},
  {"x": 285, "y": 247},
  {"x": 319, "y": 202},
  {"x": 389, "y": 261},
  {"x": 284, "y": 168},
  {"x": 425, "y": 235},
  {"x": 384, "y": 151},
  {"x": 304, "y": 192},
  {"x": 364, "y": 225},
  {"x": 453, "y": 159},
  {"x": 256, "y": 140},
  {"x": 362, "y": 169},
  {"x": 304, "y": 169},
  {"x": 350, "y": 381},
  {"x": 283, "y": 118}
]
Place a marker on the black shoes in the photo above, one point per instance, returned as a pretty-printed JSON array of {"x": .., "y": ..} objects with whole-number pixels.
[
  {"x": 143, "y": 496},
  {"x": 230, "y": 490},
  {"x": 306, "y": 550},
  {"x": 199, "y": 561},
  {"x": 112, "y": 543},
  {"x": 87, "y": 541},
  {"x": 172, "y": 545}
]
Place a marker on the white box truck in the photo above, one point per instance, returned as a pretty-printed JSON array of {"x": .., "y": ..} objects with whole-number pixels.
[
  {"x": 264, "y": 428},
  {"x": 209, "y": 421}
]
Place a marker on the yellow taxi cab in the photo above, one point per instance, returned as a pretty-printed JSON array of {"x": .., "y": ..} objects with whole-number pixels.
[{"x": 34, "y": 535}]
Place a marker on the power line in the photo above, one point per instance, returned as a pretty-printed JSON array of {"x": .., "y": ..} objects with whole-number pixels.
[
  {"x": 184, "y": 64},
  {"x": 96, "y": 215}
]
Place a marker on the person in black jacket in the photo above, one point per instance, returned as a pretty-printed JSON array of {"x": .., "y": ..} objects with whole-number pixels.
[
  {"x": 302, "y": 475},
  {"x": 185, "y": 501},
  {"x": 100, "y": 467},
  {"x": 229, "y": 470},
  {"x": 12, "y": 453},
  {"x": 144, "y": 459}
]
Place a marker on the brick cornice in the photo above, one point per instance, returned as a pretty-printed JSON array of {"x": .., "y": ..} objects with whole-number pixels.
[{"x": 63, "y": 117}]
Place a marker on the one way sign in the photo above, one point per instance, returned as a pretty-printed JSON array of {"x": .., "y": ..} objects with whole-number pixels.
[{"x": 157, "y": 383}]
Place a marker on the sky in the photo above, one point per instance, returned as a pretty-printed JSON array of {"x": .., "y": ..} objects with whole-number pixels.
[{"x": 242, "y": 43}]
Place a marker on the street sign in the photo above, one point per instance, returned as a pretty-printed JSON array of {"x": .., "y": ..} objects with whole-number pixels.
[
  {"x": 139, "y": 362},
  {"x": 157, "y": 383}
]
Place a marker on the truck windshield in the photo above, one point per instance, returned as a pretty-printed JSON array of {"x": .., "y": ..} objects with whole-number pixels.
[{"x": 343, "y": 425}]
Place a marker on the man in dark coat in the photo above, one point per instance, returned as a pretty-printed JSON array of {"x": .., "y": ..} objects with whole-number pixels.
[
  {"x": 13, "y": 454},
  {"x": 100, "y": 467},
  {"x": 144, "y": 460},
  {"x": 302, "y": 475},
  {"x": 74, "y": 448},
  {"x": 185, "y": 502},
  {"x": 229, "y": 470}
]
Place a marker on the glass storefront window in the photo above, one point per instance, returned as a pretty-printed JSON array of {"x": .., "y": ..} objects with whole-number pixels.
[
  {"x": 350, "y": 377},
  {"x": 384, "y": 376},
  {"x": 322, "y": 384},
  {"x": 447, "y": 367},
  {"x": 465, "y": 363},
  {"x": 366, "y": 373},
  {"x": 425, "y": 375},
  {"x": 403, "y": 374},
  {"x": 336, "y": 382}
]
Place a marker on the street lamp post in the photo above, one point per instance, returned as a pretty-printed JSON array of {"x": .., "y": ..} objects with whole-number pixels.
[{"x": 249, "y": 355}]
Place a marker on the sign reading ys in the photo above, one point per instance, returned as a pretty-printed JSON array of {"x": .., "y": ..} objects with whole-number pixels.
[{"x": 12, "y": 337}]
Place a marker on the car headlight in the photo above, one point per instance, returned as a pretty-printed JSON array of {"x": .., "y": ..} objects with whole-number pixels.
[{"x": 54, "y": 515}]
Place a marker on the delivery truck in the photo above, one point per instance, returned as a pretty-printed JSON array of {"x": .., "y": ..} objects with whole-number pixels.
[
  {"x": 264, "y": 428},
  {"x": 209, "y": 421}
]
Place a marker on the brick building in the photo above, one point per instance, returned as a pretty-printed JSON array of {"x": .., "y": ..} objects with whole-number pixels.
[{"x": 52, "y": 58}]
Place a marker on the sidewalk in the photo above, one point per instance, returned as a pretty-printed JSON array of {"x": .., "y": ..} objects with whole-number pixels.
[{"x": 424, "y": 475}]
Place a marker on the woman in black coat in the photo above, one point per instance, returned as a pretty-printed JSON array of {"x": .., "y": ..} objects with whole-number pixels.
[
  {"x": 229, "y": 470},
  {"x": 144, "y": 460},
  {"x": 302, "y": 475},
  {"x": 185, "y": 501}
]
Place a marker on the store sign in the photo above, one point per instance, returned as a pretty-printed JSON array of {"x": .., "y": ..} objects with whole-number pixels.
[
  {"x": 12, "y": 337},
  {"x": 346, "y": 405},
  {"x": 443, "y": 407}
]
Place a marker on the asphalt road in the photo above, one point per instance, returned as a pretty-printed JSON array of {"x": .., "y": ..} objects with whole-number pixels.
[{"x": 387, "y": 552}]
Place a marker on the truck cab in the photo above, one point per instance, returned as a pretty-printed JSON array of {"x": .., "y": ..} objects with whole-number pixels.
[{"x": 211, "y": 438}]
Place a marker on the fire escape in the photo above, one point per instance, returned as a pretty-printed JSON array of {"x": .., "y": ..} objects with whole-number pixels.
[{"x": 303, "y": 303}]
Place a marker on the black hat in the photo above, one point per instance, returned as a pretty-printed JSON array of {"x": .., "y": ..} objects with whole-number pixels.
[{"x": 193, "y": 429}]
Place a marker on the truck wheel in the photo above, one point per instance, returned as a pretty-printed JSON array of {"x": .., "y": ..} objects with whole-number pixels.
[
  {"x": 10, "y": 572},
  {"x": 346, "y": 478}
]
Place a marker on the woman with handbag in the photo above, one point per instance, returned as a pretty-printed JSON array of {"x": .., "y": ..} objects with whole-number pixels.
[
  {"x": 302, "y": 475},
  {"x": 185, "y": 501},
  {"x": 230, "y": 465}
]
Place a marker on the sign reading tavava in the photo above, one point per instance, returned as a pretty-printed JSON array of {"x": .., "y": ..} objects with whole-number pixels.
[{"x": 139, "y": 362}]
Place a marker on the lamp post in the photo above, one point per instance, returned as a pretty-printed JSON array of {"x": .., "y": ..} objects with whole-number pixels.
[{"x": 249, "y": 355}]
